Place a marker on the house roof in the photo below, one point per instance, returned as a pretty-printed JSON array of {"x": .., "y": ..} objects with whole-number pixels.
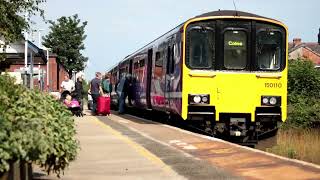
[{"x": 313, "y": 46}]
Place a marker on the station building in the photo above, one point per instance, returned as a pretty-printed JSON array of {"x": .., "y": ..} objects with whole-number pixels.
[{"x": 41, "y": 71}]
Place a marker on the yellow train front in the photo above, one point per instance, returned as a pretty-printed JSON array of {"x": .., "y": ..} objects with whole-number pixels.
[
  {"x": 234, "y": 74},
  {"x": 225, "y": 71}
]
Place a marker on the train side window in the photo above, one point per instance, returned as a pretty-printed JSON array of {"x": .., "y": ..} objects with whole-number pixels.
[
  {"x": 136, "y": 65},
  {"x": 172, "y": 60},
  {"x": 122, "y": 71},
  {"x": 235, "y": 49},
  {"x": 268, "y": 50},
  {"x": 141, "y": 63},
  {"x": 159, "y": 61},
  {"x": 168, "y": 60}
]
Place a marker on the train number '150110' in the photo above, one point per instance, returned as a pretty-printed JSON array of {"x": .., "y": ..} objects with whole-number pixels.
[{"x": 273, "y": 85}]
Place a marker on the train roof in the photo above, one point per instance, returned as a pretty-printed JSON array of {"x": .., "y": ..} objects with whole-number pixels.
[
  {"x": 213, "y": 13},
  {"x": 231, "y": 13}
]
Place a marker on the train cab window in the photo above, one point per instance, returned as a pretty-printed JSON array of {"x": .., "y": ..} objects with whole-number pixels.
[
  {"x": 235, "y": 49},
  {"x": 201, "y": 47},
  {"x": 268, "y": 50}
]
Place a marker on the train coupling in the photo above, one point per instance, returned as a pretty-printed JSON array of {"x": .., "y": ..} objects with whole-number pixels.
[{"x": 238, "y": 127}]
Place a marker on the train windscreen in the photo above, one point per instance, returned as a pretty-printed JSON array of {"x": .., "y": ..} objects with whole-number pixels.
[
  {"x": 201, "y": 41},
  {"x": 269, "y": 47},
  {"x": 235, "y": 49}
]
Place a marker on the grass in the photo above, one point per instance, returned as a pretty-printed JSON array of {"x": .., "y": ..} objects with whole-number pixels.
[{"x": 298, "y": 144}]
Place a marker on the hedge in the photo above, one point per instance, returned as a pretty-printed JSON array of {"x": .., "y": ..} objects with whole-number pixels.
[{"x": 34, "y": 128}]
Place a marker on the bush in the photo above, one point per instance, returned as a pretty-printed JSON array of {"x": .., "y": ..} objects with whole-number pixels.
[
  {"x": 303, "y": 79},
  {"x": 34, "y": 128},
  {"x": 303, "y": 95}
]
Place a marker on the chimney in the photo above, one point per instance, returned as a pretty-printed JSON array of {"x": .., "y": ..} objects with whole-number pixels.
[
  {"x": 296, "y": 42},
  {"x": 319, "y": 37}
]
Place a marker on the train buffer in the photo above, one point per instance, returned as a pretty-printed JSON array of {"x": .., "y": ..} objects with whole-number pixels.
[{"x": 127, "y": 147}]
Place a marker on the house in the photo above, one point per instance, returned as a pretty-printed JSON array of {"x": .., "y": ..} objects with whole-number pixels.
[
  {"x": 39, "y": 62},
  {"x": 305, "y": 50}
]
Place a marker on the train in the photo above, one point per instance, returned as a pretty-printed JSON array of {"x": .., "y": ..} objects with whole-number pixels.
[{"x": 225, "y": 71}]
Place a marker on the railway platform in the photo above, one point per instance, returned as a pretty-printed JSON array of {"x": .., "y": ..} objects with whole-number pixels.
[{"x": 127, "y": 147}]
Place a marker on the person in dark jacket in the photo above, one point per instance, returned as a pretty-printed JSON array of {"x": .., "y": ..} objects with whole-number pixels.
[
  {"x": 94, "y": 90},
  {"x": 79, "y": 91},
  {"x": 122, "y": 91},
  {"x": 130, "y": 89}
]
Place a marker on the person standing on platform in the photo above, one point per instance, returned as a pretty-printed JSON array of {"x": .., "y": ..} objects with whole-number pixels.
[
  {"x": 106, "y": 86},
  {"x": 94, "y": 90},
  {"x": 122, "y": 91},
  {"x": 79, "y": 91}
]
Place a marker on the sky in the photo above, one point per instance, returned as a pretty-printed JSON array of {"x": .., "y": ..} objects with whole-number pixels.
[{"x": 116, "y": 28}]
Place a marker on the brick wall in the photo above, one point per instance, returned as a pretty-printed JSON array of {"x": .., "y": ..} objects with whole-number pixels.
[
  {"x": 53, "y": 71},
  {"x": 56, "y": 74}
]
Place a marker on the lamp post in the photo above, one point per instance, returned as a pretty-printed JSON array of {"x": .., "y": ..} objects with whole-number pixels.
[
  {"x": 47, "y": 55},
  {"x": 31, "y": 70},
  {"x": 26, "y": 52},
  {"x": 26, "y": 44},
  {"x": 48, "y": 66}
]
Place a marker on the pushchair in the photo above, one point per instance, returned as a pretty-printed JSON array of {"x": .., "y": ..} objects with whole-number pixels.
[{"x": 72, "y": 104}]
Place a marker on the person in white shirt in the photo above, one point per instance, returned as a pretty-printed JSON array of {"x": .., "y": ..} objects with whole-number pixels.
[{"x": 67, "y": 86}]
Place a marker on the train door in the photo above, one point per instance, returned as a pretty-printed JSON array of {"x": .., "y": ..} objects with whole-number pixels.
[
  {"x": 130, "y": 66},
  {"x": 149, "y": 77},
  {"x": 169, "y": 94},
  {"x": 158, "y": 80},
  {"x": 131, "y": 88}
]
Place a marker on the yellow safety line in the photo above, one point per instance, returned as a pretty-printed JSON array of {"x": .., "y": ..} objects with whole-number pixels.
[{"x": 141, "y": 150}]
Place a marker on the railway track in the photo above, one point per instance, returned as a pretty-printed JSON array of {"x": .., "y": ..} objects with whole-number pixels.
[{"x": 161, "y": 117}]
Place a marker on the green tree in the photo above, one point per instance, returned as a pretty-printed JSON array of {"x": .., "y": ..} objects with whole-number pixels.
[
  {"x": 66, "y": 39},
  {"x": 303, "y": 94},
  {"x": 12, "y": 21}
]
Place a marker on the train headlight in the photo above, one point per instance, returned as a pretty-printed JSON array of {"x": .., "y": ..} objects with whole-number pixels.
[
  {"x": 265, "y": 100},
  {"x": 204, "y": 99},
  {"x": 199, "y": 99},
  {"x": 271, "y": 100},
  {"x": 196, "y": 99}
]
